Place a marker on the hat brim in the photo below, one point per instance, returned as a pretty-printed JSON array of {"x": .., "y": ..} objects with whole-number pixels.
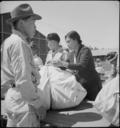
[{"x": 35, "y": 17}]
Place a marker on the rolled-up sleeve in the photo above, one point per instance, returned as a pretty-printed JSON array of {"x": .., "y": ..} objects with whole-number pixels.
[{"x": 22, "y": 72}]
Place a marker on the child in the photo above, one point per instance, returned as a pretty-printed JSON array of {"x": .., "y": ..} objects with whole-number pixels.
[{"x": 56, "y": 53}]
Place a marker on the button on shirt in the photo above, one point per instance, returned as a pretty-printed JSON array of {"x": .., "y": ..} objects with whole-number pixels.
[{"x": 17, "y": 67}]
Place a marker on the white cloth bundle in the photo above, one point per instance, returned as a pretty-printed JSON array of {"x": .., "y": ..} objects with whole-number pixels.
[
  {"x": 107, "y": 101},
  {"x": 60, "y": 87}
]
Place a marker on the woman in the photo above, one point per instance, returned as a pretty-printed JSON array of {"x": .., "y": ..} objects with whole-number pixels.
[
  {"x": 107, "y": 100},
  {"x": 60, "y": 88},
  {"x": 83, "y": 64}
]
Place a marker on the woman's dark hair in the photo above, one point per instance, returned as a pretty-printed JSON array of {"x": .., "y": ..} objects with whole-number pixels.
[
  {"x": 53, "y": 36},
  {"x": 74, "y": 35}
]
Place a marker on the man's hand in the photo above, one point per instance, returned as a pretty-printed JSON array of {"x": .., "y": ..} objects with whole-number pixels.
[
  {"x": 41, "y": 113},
  {"x": 35, "y": 77},
  {"x": 4, "y": 89}
]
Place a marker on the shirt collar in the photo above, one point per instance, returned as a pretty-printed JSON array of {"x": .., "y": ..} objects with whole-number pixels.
[
  {"x": 20, "y": 34},
  {"x": 78, "y": 50}
]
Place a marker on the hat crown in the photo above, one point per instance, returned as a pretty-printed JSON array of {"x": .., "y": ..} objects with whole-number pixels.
[{"x": 21, "y": 11}]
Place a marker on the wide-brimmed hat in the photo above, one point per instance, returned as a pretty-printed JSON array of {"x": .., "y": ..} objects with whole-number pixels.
[{"x": 22, "y": 11}]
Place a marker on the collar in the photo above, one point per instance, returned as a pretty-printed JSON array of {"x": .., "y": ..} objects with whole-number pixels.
[
  {"x": 20, "y": 34},
  {"x": 79, "y": 50}
]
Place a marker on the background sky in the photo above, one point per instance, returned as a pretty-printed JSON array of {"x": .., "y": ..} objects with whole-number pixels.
[{"x": 97, "y": 22}]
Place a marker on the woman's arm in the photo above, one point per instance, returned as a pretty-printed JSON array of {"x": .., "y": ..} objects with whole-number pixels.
[{"x": 81, "y": 65}]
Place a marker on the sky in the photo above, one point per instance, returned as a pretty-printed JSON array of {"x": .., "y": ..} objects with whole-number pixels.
[{"x": 97, "y": 22}]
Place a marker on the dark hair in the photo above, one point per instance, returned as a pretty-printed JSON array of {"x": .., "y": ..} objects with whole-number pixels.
[
  {"x": 14, "y": 24},
  {"x": 74, "y": 35},
  {"x": 53, "y": 36}
]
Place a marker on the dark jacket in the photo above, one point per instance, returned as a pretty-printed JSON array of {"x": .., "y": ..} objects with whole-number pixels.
[{"x": 85, "y": 72}]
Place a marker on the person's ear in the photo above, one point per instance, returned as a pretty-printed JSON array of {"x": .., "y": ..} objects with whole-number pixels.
[{"x": 21, "y": 22}]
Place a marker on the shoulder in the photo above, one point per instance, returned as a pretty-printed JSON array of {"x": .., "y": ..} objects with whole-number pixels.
[
  {"x": 14, "y": 38},
  {"x": 86, "y": 50},
  {"x": 13, "y": 41},
  {"x": 15, "y": 44}
]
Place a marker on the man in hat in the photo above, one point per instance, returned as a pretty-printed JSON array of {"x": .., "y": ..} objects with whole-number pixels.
[{"x": 23, "y": 103}]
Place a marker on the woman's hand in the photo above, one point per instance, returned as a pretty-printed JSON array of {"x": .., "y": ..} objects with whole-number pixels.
[
  {"x": 57, "y": 63},
  {"x": 60, "y": 63},
  {"x": 65, "y": 64},
  {"x": 49, "y": 63}
]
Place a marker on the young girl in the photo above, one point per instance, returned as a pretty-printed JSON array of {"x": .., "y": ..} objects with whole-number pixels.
[{"x": 56, "y": 53}]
